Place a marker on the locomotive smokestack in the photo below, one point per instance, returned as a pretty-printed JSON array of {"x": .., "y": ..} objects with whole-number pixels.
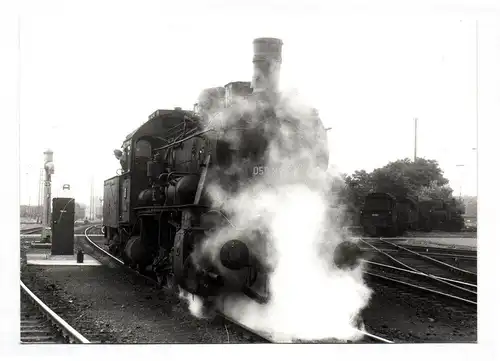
[{"x": 266, "y": 64}]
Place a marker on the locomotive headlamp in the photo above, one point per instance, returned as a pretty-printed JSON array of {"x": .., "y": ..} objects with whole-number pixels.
[
  {"x": 347, "y": 255},
  {"x": 235, "y": 255}
]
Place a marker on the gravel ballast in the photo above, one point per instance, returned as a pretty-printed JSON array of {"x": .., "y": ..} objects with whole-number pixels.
[
  {"x": 109, "y": 305},
  {"x": 407, "y": 317}
]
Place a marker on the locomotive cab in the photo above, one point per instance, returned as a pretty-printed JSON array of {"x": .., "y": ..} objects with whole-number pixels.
[{"x": 379, "y": 213}]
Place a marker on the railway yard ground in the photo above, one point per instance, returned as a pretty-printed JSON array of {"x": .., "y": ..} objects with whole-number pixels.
[
  {"x": 440, "y": 241},
  {"x": 28, "y": 227},
  {"x": 108, "y": 305},
  {"x": 395, "y": 267}
]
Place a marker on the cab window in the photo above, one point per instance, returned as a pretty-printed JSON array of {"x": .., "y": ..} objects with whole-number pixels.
[{"x": 143, "y": 149}]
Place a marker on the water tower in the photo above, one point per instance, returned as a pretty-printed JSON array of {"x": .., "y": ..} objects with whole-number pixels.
[{"x": 48, "y": 166}]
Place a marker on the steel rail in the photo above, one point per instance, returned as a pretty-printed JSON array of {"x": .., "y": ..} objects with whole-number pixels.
[
  {"x": 68, "y": 332},
  {"x": 375, "y": 338},
  {"x": 459, "y": 256},
  {"x": 381, "y": 265},
  {"x": 30, "y": 231},
  {"x": 427, "y": 290},
  {"x": 427, "y": 237},
  {"x": 430, "y": 276},
  {"x": 409, "y": 276},
  {"x": 464, "y": 250},
  {"x": 95, "y": 245},
  {"x": 433, "y": 260}
]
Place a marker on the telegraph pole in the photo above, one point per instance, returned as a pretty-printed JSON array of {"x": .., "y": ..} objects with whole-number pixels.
[
  {"x": 40, "y": 199},
  {"x": 461, "y": 179},
  {"x": 91, "y": 210},
  {"x": 415, "y": 145}
]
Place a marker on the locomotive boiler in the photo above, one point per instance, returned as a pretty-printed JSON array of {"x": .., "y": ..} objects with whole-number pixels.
[{"x": 158, "y": 211}]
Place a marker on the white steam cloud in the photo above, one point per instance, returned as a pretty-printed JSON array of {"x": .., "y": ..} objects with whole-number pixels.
[{"x": 310, "y": 298}]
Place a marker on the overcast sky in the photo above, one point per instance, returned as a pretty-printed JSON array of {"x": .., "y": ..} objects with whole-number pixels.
[{"x": 92, "y": 74}]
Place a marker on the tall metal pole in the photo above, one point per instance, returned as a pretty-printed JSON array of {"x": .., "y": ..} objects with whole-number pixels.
[
  {"x": 461, "y": 178},
  {"x": 42, "y": 175},
  {"x": 47, "y": 196},
  {"x": 415, "y": 145},
  {"x": 91, "y": 210},
  {"x": 39, "y": 204}
]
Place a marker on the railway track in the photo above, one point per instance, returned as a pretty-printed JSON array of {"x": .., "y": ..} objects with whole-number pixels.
[
  {"x": 449, "y": 263},
  {"x": 259, "y": 336},
  {"x": 405, "y": 270},
  {"x": 442, "y": 249},
  {"x": 31, "y": 230},
  {"x": 40, "y": 324},
  {"x": 435, "y": 252},
  {"x": 467, "y": 263},
  {"x": 415, "y": 259}
]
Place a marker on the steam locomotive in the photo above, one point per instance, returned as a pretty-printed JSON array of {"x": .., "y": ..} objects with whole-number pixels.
[
  {"x": 158, "y": 211},
  {"x": 383, "y": 214}
]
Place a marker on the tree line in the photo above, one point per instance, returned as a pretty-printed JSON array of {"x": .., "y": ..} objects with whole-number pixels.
[{"x": 422, "y": 179}]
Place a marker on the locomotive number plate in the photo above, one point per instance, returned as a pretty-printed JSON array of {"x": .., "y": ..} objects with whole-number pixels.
[
  {"x": 374, "y": 214},
  {"x": 262, "y": 170}
]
